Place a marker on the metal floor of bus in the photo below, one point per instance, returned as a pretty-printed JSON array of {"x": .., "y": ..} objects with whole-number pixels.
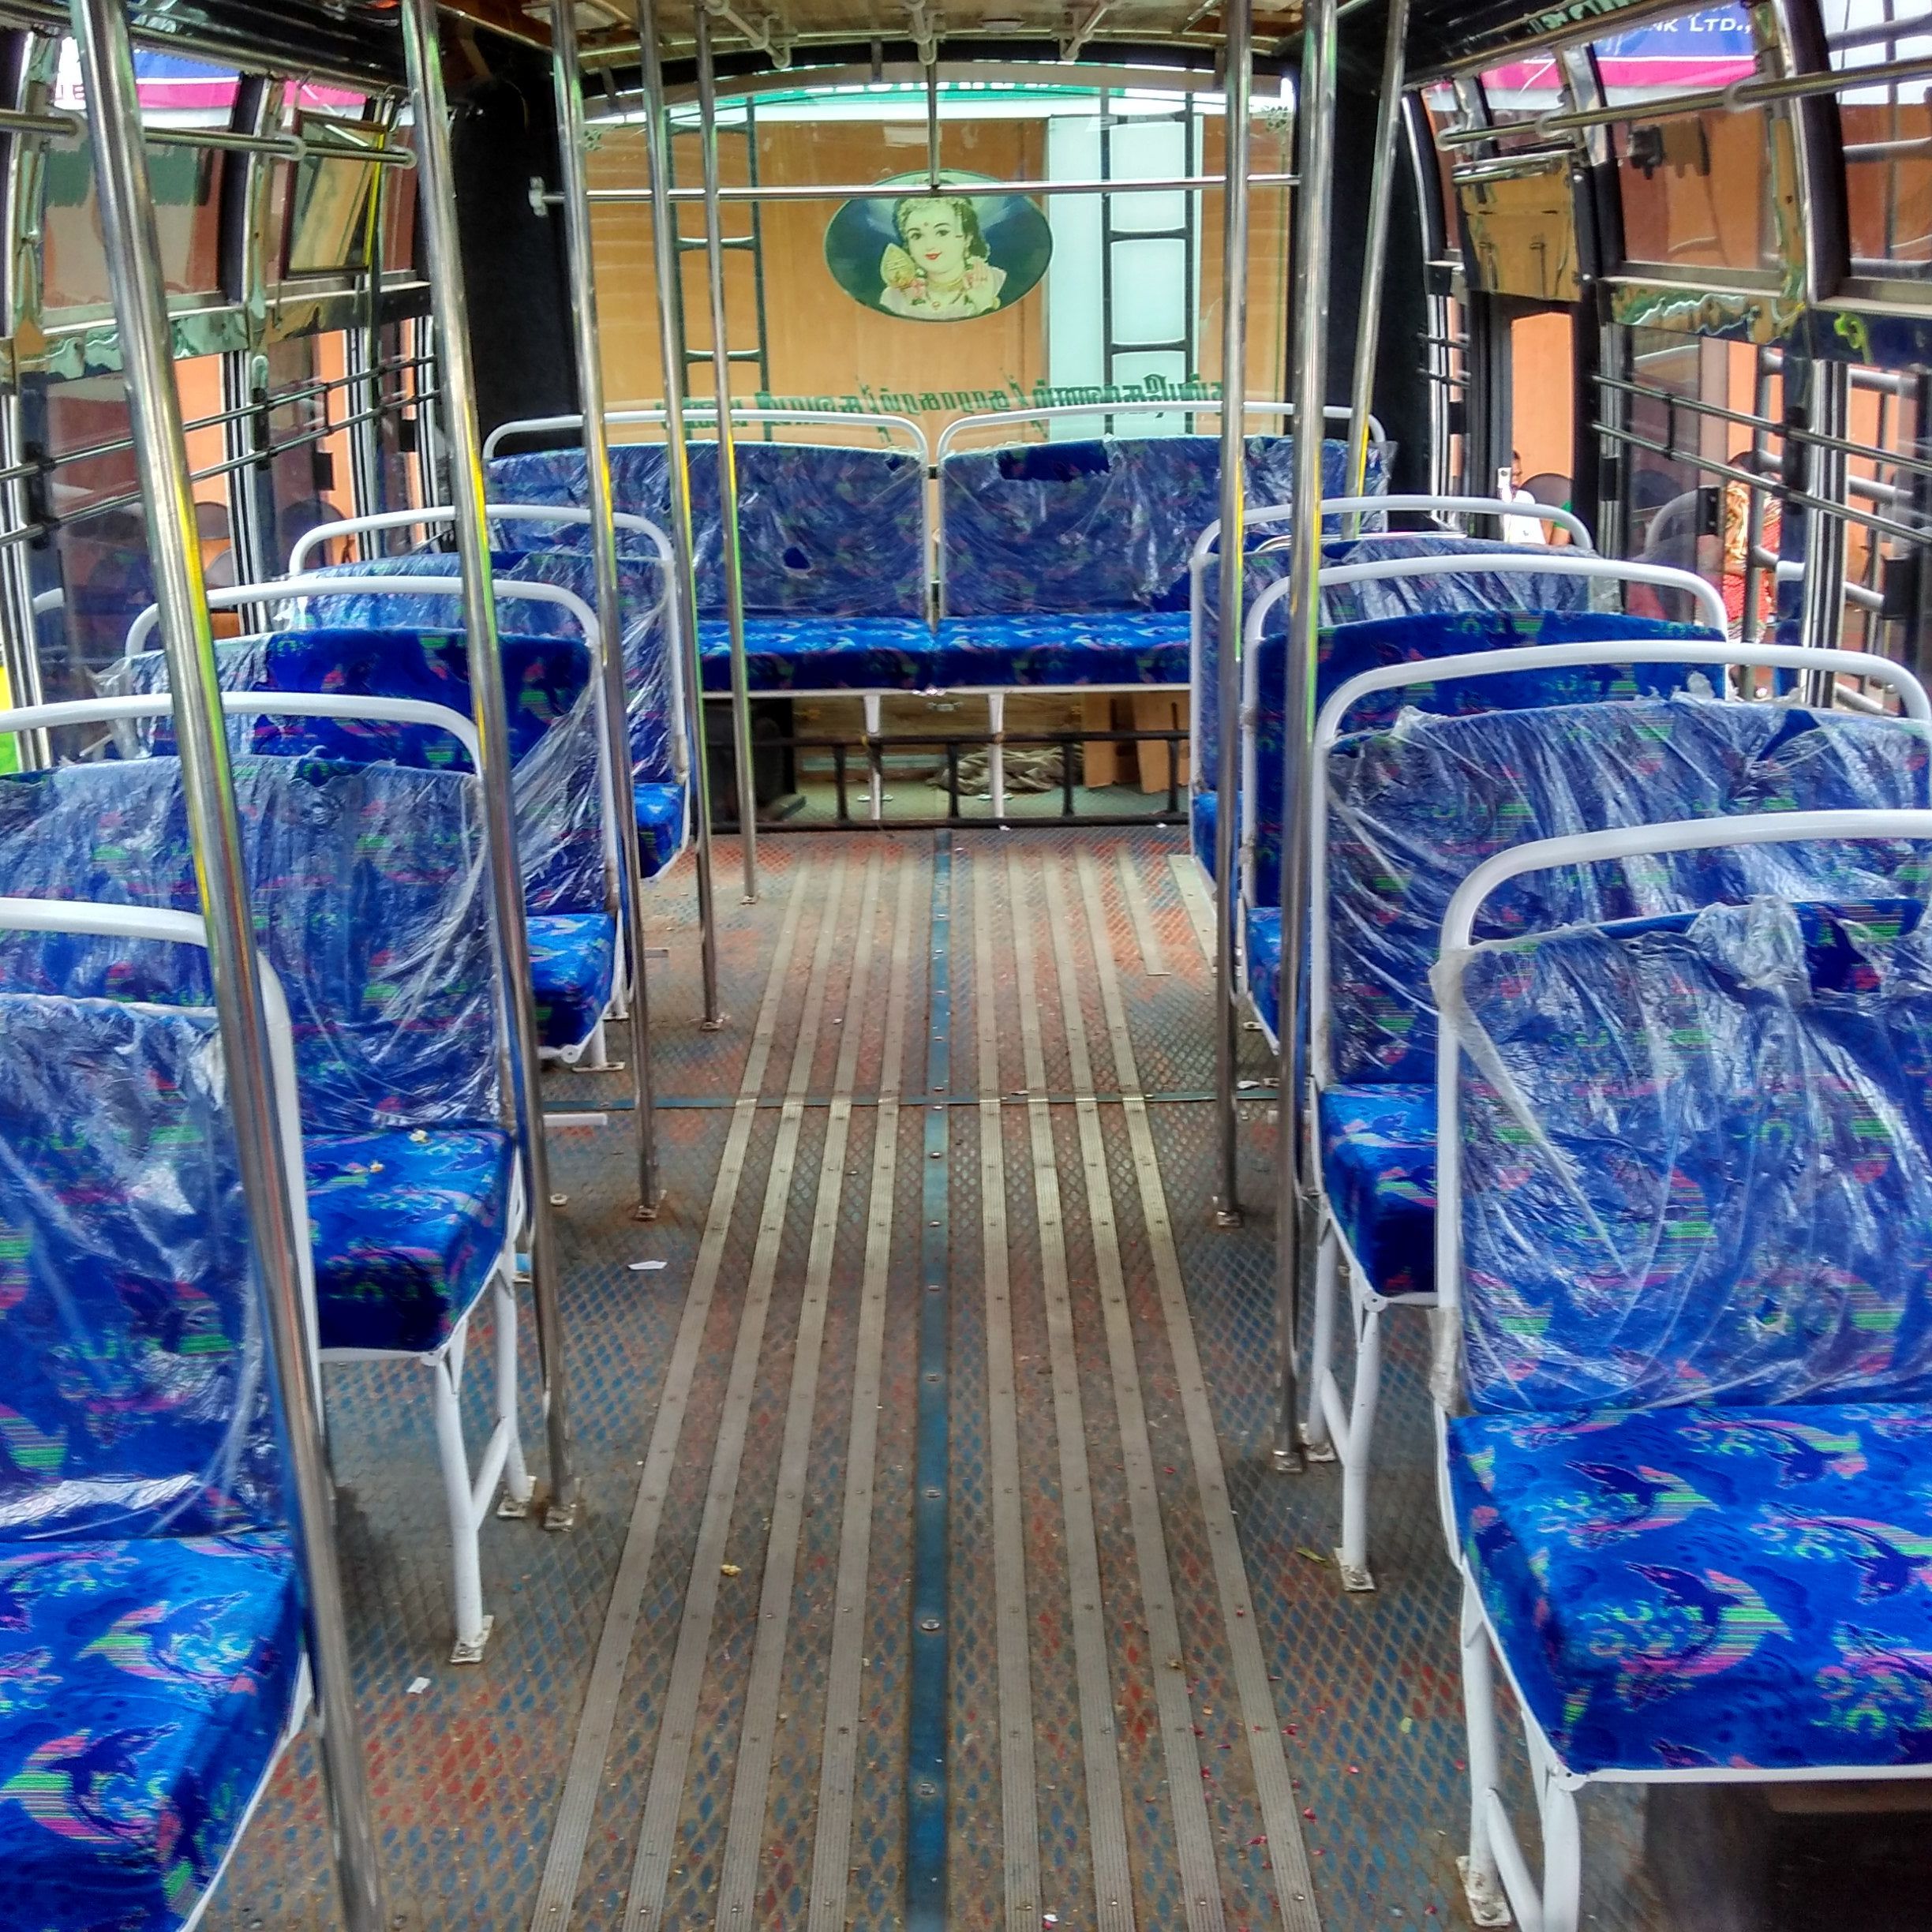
[{"x": 930, "y": 1538}]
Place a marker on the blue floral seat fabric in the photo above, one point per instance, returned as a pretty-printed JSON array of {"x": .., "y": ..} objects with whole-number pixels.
[
  {"x": 817, "y": 653},
  {"x": 407, "y": 1226},
  {"x": 144, "y": 1686},
  {"x": 150, "y": 1634},
  {"x": 1378, "y": 1161},
  {"x": 1058, "y": 649},
  {"x": 660, "y": 815},
  {"x": 1723, "y": 1587},
  {"x": 571, "y": 956}
]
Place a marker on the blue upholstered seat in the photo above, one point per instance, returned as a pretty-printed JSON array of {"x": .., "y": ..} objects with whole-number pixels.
[
  {"x": 1262, "y": 954},
  {"x": 144, "y": 1686},
  {"x": 1697, "y": 1185},
  {"x": 1378, "y": 1161},
  {"x": 407, "y": 1226},
  {"x": 571, "y": 955},
  {"x": 1201, "y": 806},
  {"x": 150, "y": 1633},
  {"x": 813, "y": 654},
  {"x": 1721, "y": 1587}
]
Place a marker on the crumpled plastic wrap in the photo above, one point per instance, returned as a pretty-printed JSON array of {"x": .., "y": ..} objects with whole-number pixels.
[
  {"x": 822, "y": 529},
  {"x": 371, "y": 898},
  {"x": 554, "y": 736},
  {"x": 651, "y": 684},
  {"x": 1697, "y": 1161},
  {"x": 1104, "y": 524},
  {"x": 1354, "y": 611},
  {"x": 134, "y": 1390},
  {"x": 1414, "y": 810},
  {"x": 1348, "y": 650}
]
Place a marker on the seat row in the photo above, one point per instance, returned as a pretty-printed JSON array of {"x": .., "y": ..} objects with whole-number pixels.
[{"x": 1614, "y": 1058}]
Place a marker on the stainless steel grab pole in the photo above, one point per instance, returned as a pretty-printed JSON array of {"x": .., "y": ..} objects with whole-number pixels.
[
  {"x": 570, "y": 113},
  {"x": 443, "y": 261},
  {"x": 1238, "y": 22},
  {"x": 1374, "y": 256},
  {"x": 726, "y": 458},
  {"x": 1312, "y": 237},
  {"x": 161, "y": 456},
  {"x": 683, "y": 561}
]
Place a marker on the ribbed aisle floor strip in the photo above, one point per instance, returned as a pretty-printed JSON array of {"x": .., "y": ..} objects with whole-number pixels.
[
  {"x": 563, "y": 1862},
  {"x": 1194, "y": 1845},
  {"x": 1106, "y": 1812},
  {"x": 845, "y": 1680},
  {"x": 1259, "y": 1719},
  {"x": 657, "y": 1834},
  {"x": 1019, "y": 1823}
]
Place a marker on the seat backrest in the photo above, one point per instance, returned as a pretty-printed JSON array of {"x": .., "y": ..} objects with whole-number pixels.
[
  {"x": 1434, "y": 606},
  {"x": 1696, "y": 1162},
  {"x": 134, "y": 1387},
  {"x": 1413, "y": 810},
  {"x": 554, "y": 738},
  {"x": 371, "y": 901},
  {"x": 1345, "y": 651},
  {"x": 1107, "y": 523},
  {"x": 822, "y": 530}
]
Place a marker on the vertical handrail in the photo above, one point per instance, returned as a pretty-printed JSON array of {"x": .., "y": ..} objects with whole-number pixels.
[
  {"x": 1311, "y": 372},
  {"x": 1374, "y": 257},
  {"x": 133, "y": 254},
  {"x": 575, "y": 186},
  {"x": 684, "y": 558},
  {"x": 1238, "y": 23},
  {"x": 442, "y": 261},
  {"x": 727, "y": 456}
]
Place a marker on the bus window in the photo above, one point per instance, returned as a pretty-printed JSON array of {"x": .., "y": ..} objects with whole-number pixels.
[
  {"x": 174, "y": 91},
  {"x": 1887, "y": 132},
  {"x": 1885, "y": 488},
  {"x": 1715, "y": 190},
  {"x": 100, "y": 567},
  {"x": 310, "y": 469}
]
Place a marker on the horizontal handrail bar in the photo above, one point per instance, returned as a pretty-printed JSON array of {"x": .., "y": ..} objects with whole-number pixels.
[
  {"x": 1150, "y": 406},
  {"x": 880, "y": 419}
]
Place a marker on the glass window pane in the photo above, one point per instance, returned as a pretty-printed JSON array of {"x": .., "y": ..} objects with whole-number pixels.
[{"x": 1887, "y": 127}]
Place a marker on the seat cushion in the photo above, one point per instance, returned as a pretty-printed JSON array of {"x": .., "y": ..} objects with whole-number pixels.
[
  {"x": 1738, "y": 1588},
  {"x": 822, "y": 653},
  {"x": 661, "y": 823},
  {"x": 571, "y": 955},
  {"x": 1052, "y": 650},
  {"x": 1378, "y": 1157},
  {"x": 406, "y": 1225},
  {"x": 144, "y": 1687}
]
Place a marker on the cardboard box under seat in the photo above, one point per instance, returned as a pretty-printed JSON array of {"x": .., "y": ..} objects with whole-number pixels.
[{"x": 1145, "y": 764}]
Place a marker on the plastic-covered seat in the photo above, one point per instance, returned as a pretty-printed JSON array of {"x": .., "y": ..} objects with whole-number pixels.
[
  {"x": 151, "y": 1636},
  {"x": 1690, "y": 1320},
  {"x": 371, "y": 897},
  {"x": 571, "y": 973}
]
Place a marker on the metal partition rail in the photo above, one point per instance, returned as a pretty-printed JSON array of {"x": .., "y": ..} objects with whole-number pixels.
[
  {"x": 1292, "y": 1222},
  {"x": 727, "y": 457},
  {"x": 1238, "y": 23},
  {"x": 570, "y": 142},
  {"x": 649, "y": 413},
  {"x": 684, "y": 570},
  {"x": 129, "y": 232},
  {"x": 1179, "y": 406},
  {"x": 443, "y": 259}
]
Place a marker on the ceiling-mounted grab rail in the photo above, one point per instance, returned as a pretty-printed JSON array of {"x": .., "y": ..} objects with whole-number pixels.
[{"x": 872, "y": 191}]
